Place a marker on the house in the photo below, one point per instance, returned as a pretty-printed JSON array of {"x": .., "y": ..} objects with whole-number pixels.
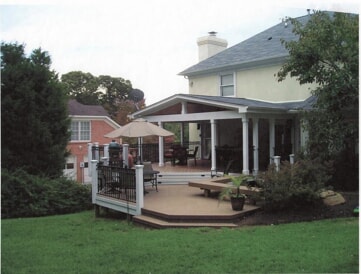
[
  {"x": 89, "y": 124},
  {"x": 236, "y": 108}
]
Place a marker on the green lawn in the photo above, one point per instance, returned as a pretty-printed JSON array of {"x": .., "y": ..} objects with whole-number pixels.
[{"x": 80, "y": 243}]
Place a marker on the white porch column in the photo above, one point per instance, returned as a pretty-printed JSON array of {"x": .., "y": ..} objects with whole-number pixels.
[
  {"x": 255, "y": 146},
  {"x": 245, "y": 146},
  {"x": 213, "y": 145},
  {"x": 125, "y": 155},
  {"x": 182, "y": 133},
  {"x": 272, "y": 142},
  {"x": 139, "y": 188},
  {"x": 161, "y": 147}
]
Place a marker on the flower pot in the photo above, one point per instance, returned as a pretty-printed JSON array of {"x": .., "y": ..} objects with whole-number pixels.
[{"x": 237, "y": 203}]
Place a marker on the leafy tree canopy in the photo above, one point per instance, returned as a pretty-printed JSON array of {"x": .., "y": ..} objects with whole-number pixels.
[
  {"x": 327, "y": 53},
  {"x": 102, "y": 90},
  {"x": 34, "y": 116}
]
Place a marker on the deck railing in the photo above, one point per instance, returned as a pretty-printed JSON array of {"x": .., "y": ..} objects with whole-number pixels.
[
  {"x": 117, "y": 188},
  {"x": 117, "y": 182}
]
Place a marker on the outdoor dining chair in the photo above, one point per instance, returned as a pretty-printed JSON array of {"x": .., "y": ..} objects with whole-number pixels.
[
  {"x": 150, "y": 175},
  {"x": 193, "y": 155}
]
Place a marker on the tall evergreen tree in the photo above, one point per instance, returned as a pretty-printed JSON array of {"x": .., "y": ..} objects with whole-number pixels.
[{"x": 34, "y": 118}]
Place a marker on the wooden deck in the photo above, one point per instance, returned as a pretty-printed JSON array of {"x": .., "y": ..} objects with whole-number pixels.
[{"x": 184, "y": 206}]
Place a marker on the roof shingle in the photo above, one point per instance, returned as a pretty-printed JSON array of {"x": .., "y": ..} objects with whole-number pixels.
[
  {"x": 261, "y": 47},
  {"x": 76, "y": 108}
]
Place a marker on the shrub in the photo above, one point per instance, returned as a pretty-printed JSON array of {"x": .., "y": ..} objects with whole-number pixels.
[
  {"x": 25, "y": 195},
  {"x": 294, "y": 185}
]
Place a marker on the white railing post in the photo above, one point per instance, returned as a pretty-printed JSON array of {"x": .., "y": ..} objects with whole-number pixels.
[
  {"x": 292, "y": 159},
  {"x": 97, "y": 157},
  {"x": 106, "y": 150},
  {"x": 90, "y": 157},
  {"x": 139, "y": 188},
  {"x": 277, "y": 161},
  {"x": 94, "y": 171}
]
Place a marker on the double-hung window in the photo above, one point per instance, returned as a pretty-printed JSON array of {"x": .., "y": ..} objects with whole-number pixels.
[
  {"x": 227, "y": 84},
  {"x": 80, "y": 130}
]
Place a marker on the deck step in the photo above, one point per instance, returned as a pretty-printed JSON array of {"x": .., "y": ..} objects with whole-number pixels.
[{"x": 158, "y": 223}]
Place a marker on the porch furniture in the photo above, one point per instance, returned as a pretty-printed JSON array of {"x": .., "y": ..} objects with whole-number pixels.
[
  {"x": 226, "y": 153},
  {"x": 168, "y": 155},
  {"x": 193, "y": 155},
  {"x": 177, "y": 152},
  {"x": 150, "y": 175}
]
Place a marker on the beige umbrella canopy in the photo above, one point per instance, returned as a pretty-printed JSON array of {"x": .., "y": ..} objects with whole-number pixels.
[{"x": 139, "y": 128}]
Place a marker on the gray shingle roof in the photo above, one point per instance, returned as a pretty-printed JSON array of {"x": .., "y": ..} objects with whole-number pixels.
[
  {"x": 76, "y": 108},
  {"x": 262, "y": 48}
]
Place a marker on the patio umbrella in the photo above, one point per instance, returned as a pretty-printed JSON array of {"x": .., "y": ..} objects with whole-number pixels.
[{"x": 139, "y": 128}]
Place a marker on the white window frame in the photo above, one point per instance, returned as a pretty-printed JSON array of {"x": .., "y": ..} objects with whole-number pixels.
[
  {"x": 228, "y": 85},
  {"x": 79, "y": 130}
]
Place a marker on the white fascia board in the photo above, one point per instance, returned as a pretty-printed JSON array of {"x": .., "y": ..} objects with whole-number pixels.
[
  {"x": 189, "y": 117},
  {"x": 178, "y": 98}
]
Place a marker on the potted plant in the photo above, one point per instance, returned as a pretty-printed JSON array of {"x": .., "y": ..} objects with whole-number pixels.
[{"x": 233, "y": 191}]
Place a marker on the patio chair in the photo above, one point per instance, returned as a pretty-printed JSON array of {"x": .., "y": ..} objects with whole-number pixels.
[
  {"x": 169, "y": 155},
  {"x": 150, "y": 175},
  {"x": 193, "y": 155}
]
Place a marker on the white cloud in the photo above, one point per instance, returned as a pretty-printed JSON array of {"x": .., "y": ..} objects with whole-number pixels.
[{"x": 146, "y": 42}]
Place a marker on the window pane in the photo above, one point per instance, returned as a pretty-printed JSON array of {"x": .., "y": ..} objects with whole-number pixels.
[
  {"x": 84, "y": 135},
  {"x": 84, "y": 131},
  {"x": 227, "y": 91},
  {"x": 84, "y": 126},
  {"x": 227, "y": 80},
  {"x": 74, "y": 131}
]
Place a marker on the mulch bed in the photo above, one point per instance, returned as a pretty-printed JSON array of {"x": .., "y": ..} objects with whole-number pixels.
[{"x": 316, "y": 212}]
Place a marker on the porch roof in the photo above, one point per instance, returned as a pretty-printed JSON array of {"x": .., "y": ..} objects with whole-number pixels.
[{"x": 230, "y": 106}]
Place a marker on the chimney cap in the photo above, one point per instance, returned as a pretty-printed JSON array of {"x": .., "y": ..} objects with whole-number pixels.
[{"x": 212, "y": 33}]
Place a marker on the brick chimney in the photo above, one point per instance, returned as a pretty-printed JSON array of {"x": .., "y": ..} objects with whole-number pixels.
[{"x": 210, "y": 45}]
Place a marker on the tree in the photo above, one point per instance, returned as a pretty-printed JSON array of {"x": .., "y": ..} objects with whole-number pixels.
[
  {"x": 34, "y": 116},
  {"x": 327, "y": 54},
  {"x": 104, "y": 90},
  {"x": 115, "y": 91},
  {"x": 82, "y": 86}
]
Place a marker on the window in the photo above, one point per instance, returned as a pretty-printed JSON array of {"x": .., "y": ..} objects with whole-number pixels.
[
  {"x": 227, "y": 84},
  {"x": 80, "y": 131}
]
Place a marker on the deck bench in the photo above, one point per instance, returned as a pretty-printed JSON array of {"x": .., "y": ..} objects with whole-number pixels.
[{"x": 219, "y": 184}]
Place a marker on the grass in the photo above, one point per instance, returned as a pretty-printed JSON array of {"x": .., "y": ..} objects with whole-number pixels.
[{"x": 81, "y": 243}]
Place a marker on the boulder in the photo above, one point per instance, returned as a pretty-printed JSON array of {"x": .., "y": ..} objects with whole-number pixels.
[{"x": 332, "y": 198}]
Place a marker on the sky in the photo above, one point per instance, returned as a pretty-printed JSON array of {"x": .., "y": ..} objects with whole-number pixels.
[{"x": 145, "y": 41}]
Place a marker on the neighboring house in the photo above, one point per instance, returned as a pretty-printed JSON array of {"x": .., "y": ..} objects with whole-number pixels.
[
  {"x": 236, "y": 108},
  {"x": 89, "y": 124}
]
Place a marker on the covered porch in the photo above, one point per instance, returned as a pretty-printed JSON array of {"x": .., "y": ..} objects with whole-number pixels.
[{"x": 248, "y": 132}]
